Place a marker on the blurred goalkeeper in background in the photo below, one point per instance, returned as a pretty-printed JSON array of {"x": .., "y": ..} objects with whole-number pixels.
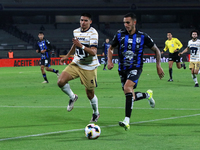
[{"x": 43, "y": 46}]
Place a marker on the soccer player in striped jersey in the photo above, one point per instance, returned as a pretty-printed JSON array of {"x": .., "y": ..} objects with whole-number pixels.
[
  {"x": 194, "y": 47},
  {"x": 43, "y": 46},
  {"x": 131, "y": 44},
  {"x": 105, "y": 47},
  {"x": 173, "y": 45},
  {"x": 84, "y": 64}
]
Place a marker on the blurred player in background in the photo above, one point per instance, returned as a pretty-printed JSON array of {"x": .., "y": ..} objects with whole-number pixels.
[
  {"x": 173, "y": 45},
  {"x": 43, "y": 46},
  {"x": 84, "y": 64},
  {"x": 105, "y": 47},
  {"x": 194, "y": 47},
  {"x": 131, "y": 44}
]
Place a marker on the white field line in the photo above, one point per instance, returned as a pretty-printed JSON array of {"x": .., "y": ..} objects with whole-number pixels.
[
  {"x": 1, "y": 106},
  {"x": 73, "y": 130},
  {"x": 19, "y": 72}
]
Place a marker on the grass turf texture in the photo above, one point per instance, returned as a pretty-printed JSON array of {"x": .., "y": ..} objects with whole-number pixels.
[{"x": 34, "y": 115}]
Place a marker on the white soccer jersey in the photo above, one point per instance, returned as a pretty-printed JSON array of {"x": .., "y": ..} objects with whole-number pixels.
[
  {"x": 87, "y": 38},
  {"x": 194, "y": 50}
]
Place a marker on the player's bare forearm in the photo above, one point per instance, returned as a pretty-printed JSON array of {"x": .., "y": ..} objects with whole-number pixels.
[
  {"x": 158, "y": 62},
  {"x": 72, "y": 50},
  {"x": 157, "y": 53},
  {"x": 43, "y": 51},
  {"x": 90, "y": 50},
  {"x": 110, "y": 54},
  {"x": 184, "y": 51}
]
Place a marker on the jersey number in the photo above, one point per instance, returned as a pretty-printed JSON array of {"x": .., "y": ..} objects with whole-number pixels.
[
  {"x": 81, "y": 53},
  {"x": 193, "y": 51}
]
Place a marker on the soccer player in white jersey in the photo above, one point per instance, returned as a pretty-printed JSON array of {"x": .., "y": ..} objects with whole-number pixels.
[
  {"x": 84, "y": 64},
  {"x": 194, "y": 47}
]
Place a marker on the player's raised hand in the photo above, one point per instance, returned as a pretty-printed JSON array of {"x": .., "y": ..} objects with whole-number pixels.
[{"x": 76, "y": 42}]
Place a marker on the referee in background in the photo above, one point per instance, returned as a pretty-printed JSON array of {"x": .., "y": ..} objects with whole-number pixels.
[{"x": 173, "y": 45}]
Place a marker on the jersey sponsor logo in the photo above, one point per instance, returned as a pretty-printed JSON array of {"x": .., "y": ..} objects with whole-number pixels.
[
  {"x": 129, "y": 55},
  {"x": 133, "y": 72},
  {"x": 128, "y": 58},
  {"x": 81, "y": 38},
  {"x": 138, "y": 39},
  {"x": 130, "y": 41},
  {"x": 122, "y": 46}
]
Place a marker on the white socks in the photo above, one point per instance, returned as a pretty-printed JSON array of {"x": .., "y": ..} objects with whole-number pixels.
[
  {"x": 127, "y": 119},
  {"x": 194, "y": 78},
  {"x": 94, "y": 104},
  {"x": 66, "y": 89}
]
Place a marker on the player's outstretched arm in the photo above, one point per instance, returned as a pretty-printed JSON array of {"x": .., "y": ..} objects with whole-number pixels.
[
  {"x": 72, "y": 50},
  {"x": 110, "y": 54},
  {"x": 158, "y": 62},
  {"x": 184, "y": 51}
]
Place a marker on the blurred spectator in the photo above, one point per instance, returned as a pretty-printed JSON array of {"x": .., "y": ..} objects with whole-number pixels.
[{"x": 10, "y": 54}]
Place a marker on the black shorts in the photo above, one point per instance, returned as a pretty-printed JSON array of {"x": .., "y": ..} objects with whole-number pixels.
[
  {"x": 132, "y": 75},
  {"x": 174, "y": 57},
  {"x": 46, "y": 62}
]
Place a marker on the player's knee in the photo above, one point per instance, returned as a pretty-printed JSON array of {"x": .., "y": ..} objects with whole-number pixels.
[
  {"x": 90, "y": 94},
  {"x": 196, "y": 72},
  {"x": 127, "y": 89},
  {"x": 47, "y": 68},
  {"x": 60, "y": 83}
]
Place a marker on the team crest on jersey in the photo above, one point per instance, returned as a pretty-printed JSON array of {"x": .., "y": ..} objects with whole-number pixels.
[{"x": 138, "y": 40}]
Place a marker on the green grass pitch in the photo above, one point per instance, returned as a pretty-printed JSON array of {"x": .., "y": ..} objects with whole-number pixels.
[{"x": 33, "y": 115}]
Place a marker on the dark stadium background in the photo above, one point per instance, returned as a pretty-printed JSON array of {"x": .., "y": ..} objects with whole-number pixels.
[{"x": 21, "y": 20}]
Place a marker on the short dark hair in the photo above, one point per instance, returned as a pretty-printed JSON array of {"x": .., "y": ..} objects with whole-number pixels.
[
  {"x": 169, "y": 32},
  {"x": 194, "y": 31},
  {"x": 41, "y": 32},
  {"x": 132, "y": 15},
  {"x": 87, "y": 15}
]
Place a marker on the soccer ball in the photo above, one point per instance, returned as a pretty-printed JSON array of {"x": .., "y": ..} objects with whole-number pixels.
[{"x": 92, "y": 131}]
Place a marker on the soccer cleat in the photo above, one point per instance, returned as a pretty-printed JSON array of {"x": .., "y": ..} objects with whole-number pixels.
[
  {"x": 184, "y": 66},
  {"x": 57, "y": 73},
  {"x": 150, "y": 99},
  {"x": 71, "y": 103},
  {"x": 170, "y": 80},
  {"x": 124, "y": 124},
  {"x": 196, "y": 85},
  {"x": 45, "y": 82},
  {"x": 95, "y": 118}
]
